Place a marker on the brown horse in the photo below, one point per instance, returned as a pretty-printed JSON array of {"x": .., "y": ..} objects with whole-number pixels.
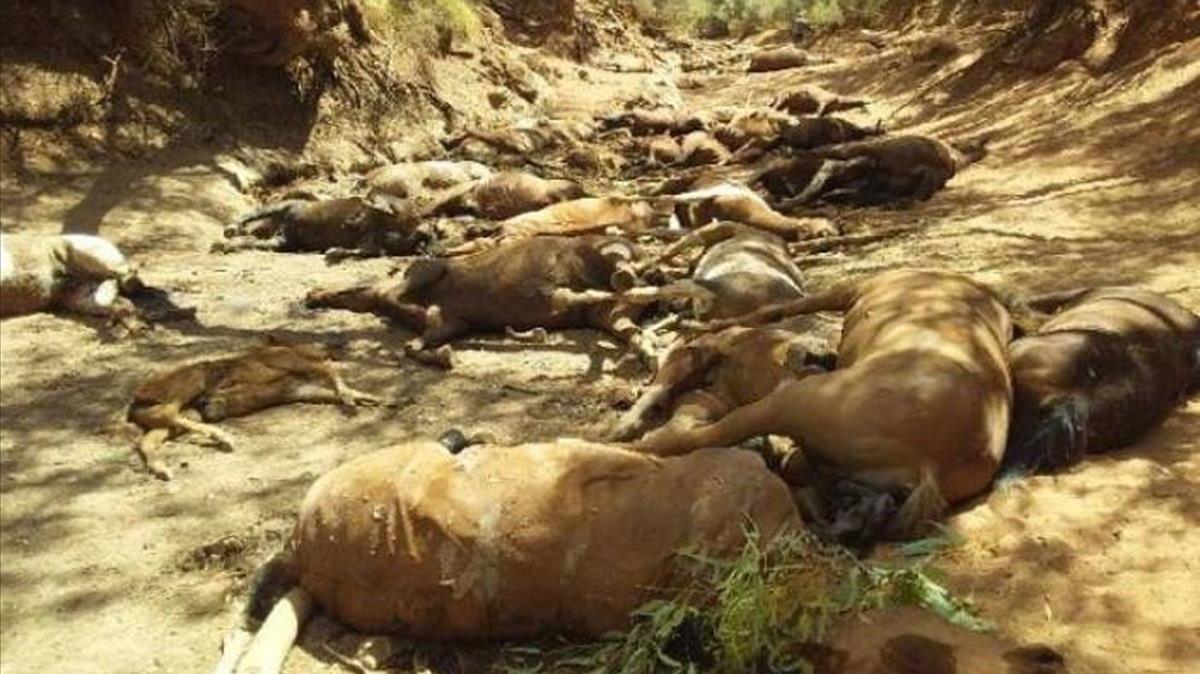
[
  {"x": 1098, "y": 374},
  {"x": 539, "y": 282},
  {"x": 920, "y": 401},
  {"x": 703, "y": 379},
  {"x": 220, "y": 388},
  {"x": 508, "y": 542}
]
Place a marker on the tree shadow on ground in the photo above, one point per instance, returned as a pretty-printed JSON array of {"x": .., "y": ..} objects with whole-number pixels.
[
  {"x": 144, "y": 125},
  {"x": 1068, "y": 556}
]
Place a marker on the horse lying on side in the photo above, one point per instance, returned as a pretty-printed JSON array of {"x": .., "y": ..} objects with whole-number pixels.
[
  {"x": 77, "y": 273},
  {"x": 554, "y": 538},
  {"x": 421, "y": 181},
  {"x": 869, "y": 172},
  {"x": 654, "y": 122},
  {"x": 700, "y": 381},
  {"x": 813, "y": 100},
  {"x": 505, "y": 195},
  {"x": 540, "y": 282},
  {"x": 592, "y": 215},
  {"x": 805, "y": 133},
  {"x": 352, "y": 227},
  {"x": 80, "y": 274},
  {"x": 508, "y": 542},
  {"x": 730, "y": 201},
  {"x": 740, "y": 269},
  {"x": 220, "y": 388},
  {"x": 920, "y": 402},
  {"x": 1098, "y": 374},
  {"x": 779, "y": 58}
]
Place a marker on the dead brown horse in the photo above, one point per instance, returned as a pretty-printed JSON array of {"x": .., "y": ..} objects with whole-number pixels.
[
  {"x": 661, "y": 150},
  {"x": 654, "y": 122},
  {"x": 540, "y": 282},
  {"x": 698, "y": 148},
  {"x": 505, "y": 195},
  {"x": 421, "y": 180},
  {"x": 813, "y": 100},
  {"x": 339, "y": 228},
  {"x": 593, "y": 215},
  {"x": 220, "y": 388},
  {"x": 506, "y": 542},
  {"x": 553, "y": 538},
  {"x": 1098, "y": 374},
  {"x": 703, "y": 379},
  {"x": 730, "y": 201},
  {"x": 920, "y": 401},
  {"x": 754, "y": 124},
  {"x": 780, "y": 58},
  {"x": 806, "y": 133},
  {"x": 869, "y": 172},
  {"x": 520, "y": 142},
  {"x": 741, "y": 269}
]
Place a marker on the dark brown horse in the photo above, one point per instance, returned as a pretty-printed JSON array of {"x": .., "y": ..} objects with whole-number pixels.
[{"x": 1097, "y": 375}]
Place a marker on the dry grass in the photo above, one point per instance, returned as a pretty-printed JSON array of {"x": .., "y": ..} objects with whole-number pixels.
[
  {"x": 751, "y": 15},
  {"x": 421, "y": 24},
  {"x": 178, "y": 38},
  {"x": 174, "y": 38}
]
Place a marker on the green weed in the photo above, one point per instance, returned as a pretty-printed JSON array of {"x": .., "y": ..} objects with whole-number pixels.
[{"x": 760, "y": 608}]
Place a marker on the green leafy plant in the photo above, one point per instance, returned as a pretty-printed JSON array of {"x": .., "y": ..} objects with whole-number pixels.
[{"x": 762, "y": 607}]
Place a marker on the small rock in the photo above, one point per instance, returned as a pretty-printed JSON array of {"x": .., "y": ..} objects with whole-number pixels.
[{"x": 497, "y": 99}]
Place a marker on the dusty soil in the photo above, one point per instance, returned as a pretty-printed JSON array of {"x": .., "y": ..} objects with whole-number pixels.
[{"x": 1091, "y": 180}]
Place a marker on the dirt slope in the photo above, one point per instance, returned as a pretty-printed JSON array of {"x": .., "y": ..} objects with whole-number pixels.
[{"x": 1092, "y": 179}]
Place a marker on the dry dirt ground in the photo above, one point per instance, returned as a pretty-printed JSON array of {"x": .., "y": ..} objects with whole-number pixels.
[{"x": 1092, "y": 180}]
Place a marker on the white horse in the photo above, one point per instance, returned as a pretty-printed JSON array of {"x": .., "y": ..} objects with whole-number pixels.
[{"x": 78, "y": 273}]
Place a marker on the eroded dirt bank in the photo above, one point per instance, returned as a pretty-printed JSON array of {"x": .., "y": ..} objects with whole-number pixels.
[{"x": 1092, "y": 179}]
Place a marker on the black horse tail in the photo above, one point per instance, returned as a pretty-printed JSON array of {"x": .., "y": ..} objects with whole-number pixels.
[
  {"x": 1196, "y": 365},
  {"x": 269, "y": 583}
]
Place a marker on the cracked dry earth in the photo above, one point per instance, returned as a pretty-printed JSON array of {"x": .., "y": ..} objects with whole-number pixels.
[{"x": 1091, "y": 180}]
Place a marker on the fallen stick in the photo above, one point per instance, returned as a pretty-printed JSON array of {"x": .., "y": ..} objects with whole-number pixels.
[{"x": 830, "y": 243}]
